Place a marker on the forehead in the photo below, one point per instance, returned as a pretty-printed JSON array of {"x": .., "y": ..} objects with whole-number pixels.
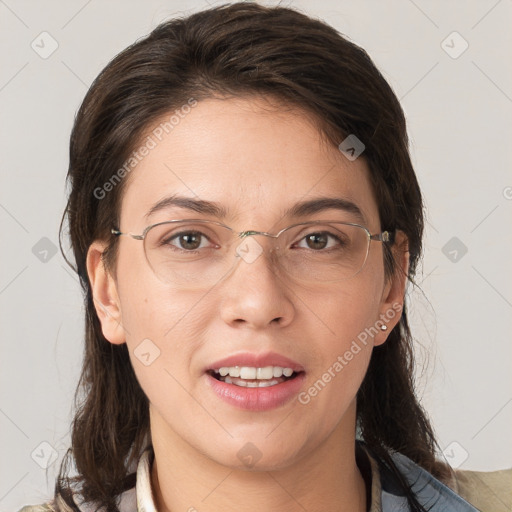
[{"x": 254, "y": 159}]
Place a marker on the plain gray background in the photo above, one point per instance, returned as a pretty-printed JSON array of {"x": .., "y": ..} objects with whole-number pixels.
[{"x": 458, "y": 103}]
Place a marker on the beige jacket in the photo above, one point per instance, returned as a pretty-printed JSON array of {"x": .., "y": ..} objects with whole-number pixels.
[{"x": 487, "y": 491}]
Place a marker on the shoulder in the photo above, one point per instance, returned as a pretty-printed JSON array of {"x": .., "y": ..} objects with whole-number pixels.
[
  {"x": 45, "y": 507},
  {"x": 486, "y": 490},
  {"x": 482, "y": 491}
]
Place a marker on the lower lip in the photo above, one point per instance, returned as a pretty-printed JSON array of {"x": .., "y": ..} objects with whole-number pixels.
[{"x": 257, "y": 399}]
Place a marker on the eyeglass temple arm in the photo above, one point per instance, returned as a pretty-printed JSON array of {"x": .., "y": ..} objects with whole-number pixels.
[
  {"x": 116, "y": 232},
  {"x": 385, "y": 236}
]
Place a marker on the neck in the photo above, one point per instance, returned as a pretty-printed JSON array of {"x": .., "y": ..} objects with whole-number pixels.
[{"x": 325, "y": 480}]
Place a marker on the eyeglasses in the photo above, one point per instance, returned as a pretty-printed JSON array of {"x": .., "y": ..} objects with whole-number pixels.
[{"x": 193, "y": 252}]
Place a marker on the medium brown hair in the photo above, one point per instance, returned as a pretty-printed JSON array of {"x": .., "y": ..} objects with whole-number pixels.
[{"x": 233, "y": 50}]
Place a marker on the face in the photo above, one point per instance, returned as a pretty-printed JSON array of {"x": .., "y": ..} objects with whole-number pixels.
[{"x": 255, "y": 162}]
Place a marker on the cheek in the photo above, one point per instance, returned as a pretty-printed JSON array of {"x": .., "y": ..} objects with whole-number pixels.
[
  {"x": 163, "y": 332},
  {"x": 348, "y": 309},
  {"x": 150, "y": 308},
  {"x": 348, "y": 316}
]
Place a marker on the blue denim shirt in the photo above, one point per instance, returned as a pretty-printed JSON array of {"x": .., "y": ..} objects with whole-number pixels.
[{"x": 430, "y": 492}]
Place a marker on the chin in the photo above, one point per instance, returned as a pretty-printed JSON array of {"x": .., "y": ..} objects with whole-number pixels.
[{"x": 259, "y": 454}]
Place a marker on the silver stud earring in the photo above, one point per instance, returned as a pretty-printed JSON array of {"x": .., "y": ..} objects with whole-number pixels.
[{"x": 383, "y": 327}]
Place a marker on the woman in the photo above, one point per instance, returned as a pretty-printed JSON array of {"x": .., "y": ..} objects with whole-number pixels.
[{"x": 245, "y": 218}]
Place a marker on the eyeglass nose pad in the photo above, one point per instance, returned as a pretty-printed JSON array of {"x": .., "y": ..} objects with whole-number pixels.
[{"x": 250, "y": 249}]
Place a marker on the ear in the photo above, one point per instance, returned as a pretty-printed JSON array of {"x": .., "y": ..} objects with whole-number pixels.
[
  {"x": 105, "y": 296},
  {"x": 392, "y": 302}
]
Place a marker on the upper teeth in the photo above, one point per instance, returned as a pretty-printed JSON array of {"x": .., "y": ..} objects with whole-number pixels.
[{"x": 249, "y": 372}]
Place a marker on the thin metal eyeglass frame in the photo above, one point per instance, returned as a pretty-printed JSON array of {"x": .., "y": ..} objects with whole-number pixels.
[{"x": 384, "y": 236}]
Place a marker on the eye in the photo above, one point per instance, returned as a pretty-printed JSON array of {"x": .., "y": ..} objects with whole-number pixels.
[
  {"x": 187, "y": 240},
  {"x": 321, "y": 240}
]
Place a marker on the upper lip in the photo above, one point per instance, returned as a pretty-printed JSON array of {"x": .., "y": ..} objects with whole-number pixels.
[{"x": 256, "y": 361}]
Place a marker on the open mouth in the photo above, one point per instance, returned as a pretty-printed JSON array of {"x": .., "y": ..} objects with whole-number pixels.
[{"x": 250, "y": 377}]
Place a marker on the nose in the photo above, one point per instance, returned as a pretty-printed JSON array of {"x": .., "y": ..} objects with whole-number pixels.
[{"x": 255, "y": 294}]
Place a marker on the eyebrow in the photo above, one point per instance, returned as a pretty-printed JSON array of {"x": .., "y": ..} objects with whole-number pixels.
[
  {"x": 319, "y": 204},
  {"x": 188, "y": 203},
  {"x": 300, "y": 209}
]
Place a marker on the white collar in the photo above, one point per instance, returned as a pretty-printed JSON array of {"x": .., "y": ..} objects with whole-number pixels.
[{"x": 145, "y": 502}]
